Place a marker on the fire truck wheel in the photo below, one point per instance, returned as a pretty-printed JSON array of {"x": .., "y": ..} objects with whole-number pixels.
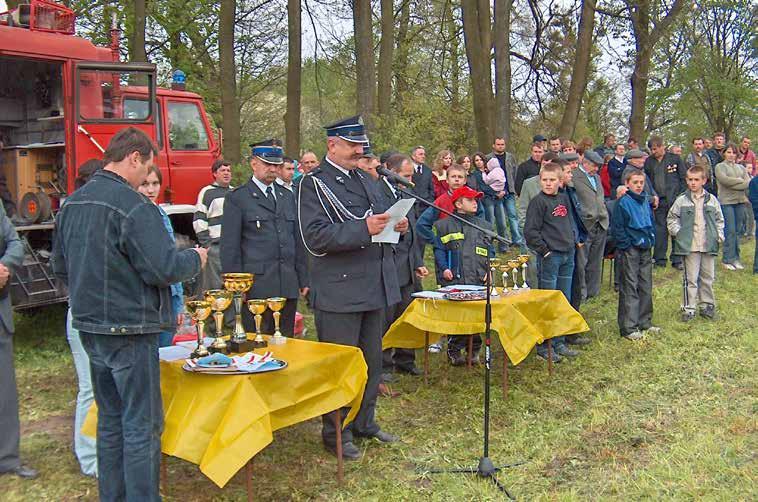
[{"x": 35, "y": 207}]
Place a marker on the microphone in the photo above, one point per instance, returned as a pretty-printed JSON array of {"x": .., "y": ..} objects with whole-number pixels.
[{"x": 394, "y": 178}]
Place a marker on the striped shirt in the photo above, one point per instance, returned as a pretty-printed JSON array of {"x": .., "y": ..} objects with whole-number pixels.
[{"x": 208, "y": 213}]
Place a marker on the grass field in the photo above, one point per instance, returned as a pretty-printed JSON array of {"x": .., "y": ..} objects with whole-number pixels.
[{"x": 672, "y": 417}]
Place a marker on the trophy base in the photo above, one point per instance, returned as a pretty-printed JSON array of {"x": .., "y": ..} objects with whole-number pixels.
[
  {"x": 219, "y": 350},
  {"x": 243, "y": 346}
]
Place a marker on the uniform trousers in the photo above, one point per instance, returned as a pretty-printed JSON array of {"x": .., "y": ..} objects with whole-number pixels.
[
  {"x": 286, "y": 321},
  {"x": 363, "y": 330},
  {"x": 398, "y": 358},
  {"x": 700, "y": 270},
  {"x": 9, "y": 423},
  {"x": 635, "y": 310}
]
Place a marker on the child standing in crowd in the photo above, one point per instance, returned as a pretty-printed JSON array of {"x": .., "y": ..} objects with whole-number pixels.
[
  {"x": 634, "y": 232},
  {"x": 462, "y": 254},
  {"x": 150, "y": 188},
  {"x": 696, "y": 222},
  {"x": 550, "y": 233}
]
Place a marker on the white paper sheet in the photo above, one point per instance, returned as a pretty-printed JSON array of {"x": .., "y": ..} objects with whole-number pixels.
[
  {"x": 174, "y": 353},
  {"x": 433, "y": 295},
  {"x": 397, "y": 212}
]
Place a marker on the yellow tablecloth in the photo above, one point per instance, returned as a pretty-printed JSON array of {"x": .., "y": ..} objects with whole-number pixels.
[
  {"x": 221, "y": 422},
  {"x": 521, "y": 320}
]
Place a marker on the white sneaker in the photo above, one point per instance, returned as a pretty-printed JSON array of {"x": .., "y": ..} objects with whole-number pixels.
[
  {"x": 653, "y": 330},
  {"x": 435, "y": 348},
  {"x": 738, "y": 265},
  {"x": 634, "y": 335},
  {"x": 729, "y": 266}
]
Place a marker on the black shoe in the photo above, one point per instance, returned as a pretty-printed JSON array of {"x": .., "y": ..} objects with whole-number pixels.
[
  {"x": 23, "y": 472},
  {"x": 678, "y": 266},
  {"x": 384, "y": 437},
  {"x": 577, "y": 340},
  {"x": 456, "y": 359},
  {"x": 563, "y": 350},
  {"x": 349, "y": 450},
  {"x": 475, "y": 358},
  {"x": 412, "y": 370},
  {"x": 708, "y": 311}
]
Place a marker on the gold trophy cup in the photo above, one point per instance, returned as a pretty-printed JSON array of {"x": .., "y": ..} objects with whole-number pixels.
[
  {"x": 505, "y": 269},
  {"x": 199, "y": 310},
  {"x": 514, "y": 265},
  {"x": 276, "y": 304},
  {"x": 220, "y": 300},
  {"x": 494, "y": 266},
  {"x": 257, "y": 308},
  {"x": 524, "y": 259},
  {"x": 238, "y": 283}
]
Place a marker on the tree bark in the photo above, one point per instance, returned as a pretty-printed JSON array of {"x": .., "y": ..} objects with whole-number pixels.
[
  {"x": 401, "y": 60},
  {"x": 580, "y": 71},
  {"x": 364, "y": 60},
  {"x": 455, "y": 71},
  {"x": 476, "y": 30},
  {"x": 386, "y": 48},
  {"x": 294, "y": 79},
  {"x": 229, "y": 103},
  {"x": 137, "y": 40},
  {"x": 502, "y": 42}
]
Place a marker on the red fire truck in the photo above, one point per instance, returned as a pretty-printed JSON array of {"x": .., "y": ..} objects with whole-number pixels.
[{"x": 61, "y": 100}]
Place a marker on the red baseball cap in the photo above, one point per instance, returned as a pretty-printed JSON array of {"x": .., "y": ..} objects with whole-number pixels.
[{"x": 465, "y": 191}]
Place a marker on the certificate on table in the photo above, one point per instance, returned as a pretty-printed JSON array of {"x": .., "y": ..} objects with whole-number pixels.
[{"x": 397, "y": 212}]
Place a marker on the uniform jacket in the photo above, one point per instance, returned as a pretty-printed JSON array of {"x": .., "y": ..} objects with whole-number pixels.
[
  {"x": 260, "y": 237},
  {"x": 424, "y": 185},
  {"x": 615, "y": 174},
  {"x": 406, "y": 253},
  {"x": 591, "y": 200},
  {"x": 11, "y": 255},
  {"x": 348, "y": 273},
  {"x": 681, "y": 222},
  {"x": 462, "y": 249},
  {"x": 668, "y": 175},
  {"x": 118, "y": 261}
]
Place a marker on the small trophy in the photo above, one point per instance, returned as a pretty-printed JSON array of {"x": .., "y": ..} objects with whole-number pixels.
[
  {"x": 220, "y": 299},
  {"x": 524, "y": 259},
  {"x": 199, "y": 310},
  {"x": 238, "y": 283},
  {"x": 495, "y": 265},
  {"x": 505, "y": 269},
  {"x": 514, "y": 265},
  {"x": 276, "y": 304},
  {"x": 257, "y": 308}
]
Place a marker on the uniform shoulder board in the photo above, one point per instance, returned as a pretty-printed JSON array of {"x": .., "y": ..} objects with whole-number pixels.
[{"x": 315, "y": 170}]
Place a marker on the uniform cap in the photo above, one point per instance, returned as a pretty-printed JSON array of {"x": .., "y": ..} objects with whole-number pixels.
[
  {"x": 269, "y": 151},
  {"x": 350, "y": 129}
]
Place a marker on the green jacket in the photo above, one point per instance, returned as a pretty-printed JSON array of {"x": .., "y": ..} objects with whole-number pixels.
[{"x": 681, "y": 223}]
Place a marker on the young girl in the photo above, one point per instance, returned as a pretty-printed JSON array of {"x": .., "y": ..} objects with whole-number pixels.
[
  {"x": 150, "y": 188},
  {"x": 733, "y": 180},
  {"x": 443, "y": 160}
]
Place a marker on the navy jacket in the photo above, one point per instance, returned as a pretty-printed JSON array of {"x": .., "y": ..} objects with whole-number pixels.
[
  {"x": 114, "y": 253},
  {"x": 632, "y": 222},
  {"x": 261, "y": 237}
]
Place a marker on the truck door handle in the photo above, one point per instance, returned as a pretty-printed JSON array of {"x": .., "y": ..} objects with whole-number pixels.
[{"x": 176, "y": 162}]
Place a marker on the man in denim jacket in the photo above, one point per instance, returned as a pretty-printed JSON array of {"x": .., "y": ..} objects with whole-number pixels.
[{"x": 112, "y": 251}]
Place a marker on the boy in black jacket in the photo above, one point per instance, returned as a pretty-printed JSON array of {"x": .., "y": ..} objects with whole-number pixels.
[
  {"x": 462, "y": 253},
  {"x": 552, "y": 234}
]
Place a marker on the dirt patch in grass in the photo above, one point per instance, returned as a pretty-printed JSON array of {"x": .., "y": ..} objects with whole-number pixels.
[{"x": 58, "y": 427}]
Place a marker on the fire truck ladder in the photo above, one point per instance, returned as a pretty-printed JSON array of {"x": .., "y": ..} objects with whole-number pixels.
[{"x": 34, "y": 268}]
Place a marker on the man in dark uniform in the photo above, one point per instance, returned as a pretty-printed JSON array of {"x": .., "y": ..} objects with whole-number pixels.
[
  {"x": 352, "y": 279},
  {"x": 259, "y": 236},
  {"x": 410, "y": 268}
]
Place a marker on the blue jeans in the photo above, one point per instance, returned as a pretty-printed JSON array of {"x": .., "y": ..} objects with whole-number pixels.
[
  {"x": 733, "y": 214},
  {"x": 509, "y": 203},
  {"x": 84, "y": 446},
  {"x": 497, "y": 209},
  {"x": 126, "y": 377},
  {"x": 555, "y": 272},
  {"x": 493, "y": 212}
]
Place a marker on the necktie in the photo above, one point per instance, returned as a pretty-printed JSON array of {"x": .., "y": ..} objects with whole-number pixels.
[{"x": 270, "y": 195}]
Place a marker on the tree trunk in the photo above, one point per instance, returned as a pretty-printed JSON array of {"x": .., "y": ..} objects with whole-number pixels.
[
  {"x": 476, "y": 39},
  {"x": 364, "y": 60},
  {"x": 386, "y": 47},
  {"x": 580, "y": 71},
  {"x": 639, "y": 80},
  {"x": 455, "y": 70},
  {"x": 294, "y": 78},
  {"x": 229, "y": 104},
  {"x": 502, "y": 42},
  {"x": 401, "y": 61},
  {"x": 137, "y": 48}
]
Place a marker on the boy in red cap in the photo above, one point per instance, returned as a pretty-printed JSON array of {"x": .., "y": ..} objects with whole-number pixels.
[{"x": 462, "y": 253}]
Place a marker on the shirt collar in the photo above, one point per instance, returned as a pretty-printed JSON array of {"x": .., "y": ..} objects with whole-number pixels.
[
  {"x": 344, "y": 171},
  {"x": 281, "y": 182},
  {"x": 262, "y": 185}
]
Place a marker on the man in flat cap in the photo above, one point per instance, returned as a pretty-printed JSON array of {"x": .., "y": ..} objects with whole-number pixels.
[
  {"x": 352, "y": 279},
  {"x": 259, "y": 236}
]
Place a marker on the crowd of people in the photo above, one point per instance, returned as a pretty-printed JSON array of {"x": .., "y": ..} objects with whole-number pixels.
[{"x": 304, "y": 228}]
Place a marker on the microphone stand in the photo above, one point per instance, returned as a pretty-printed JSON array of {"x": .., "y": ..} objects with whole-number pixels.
[{"x": 486, "y": 468}]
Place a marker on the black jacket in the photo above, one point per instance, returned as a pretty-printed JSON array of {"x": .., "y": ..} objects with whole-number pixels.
[
  {"x": 260, "y": 237},
  {"x": 549, "y": 225},
  {"x": 526, "y": 170},
  {"x": 668, "y": 176},
  {"x": 462, "y": 249},
  {"x": 424, "y": 185},
  {"x": 348, "y": 273}
]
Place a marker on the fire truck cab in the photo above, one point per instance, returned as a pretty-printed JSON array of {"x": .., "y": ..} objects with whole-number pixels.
[{"x": 61, "y": 100}]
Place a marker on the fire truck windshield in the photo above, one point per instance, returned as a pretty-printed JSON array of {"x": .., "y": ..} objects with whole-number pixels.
[{"x": 101, "y": 95}]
